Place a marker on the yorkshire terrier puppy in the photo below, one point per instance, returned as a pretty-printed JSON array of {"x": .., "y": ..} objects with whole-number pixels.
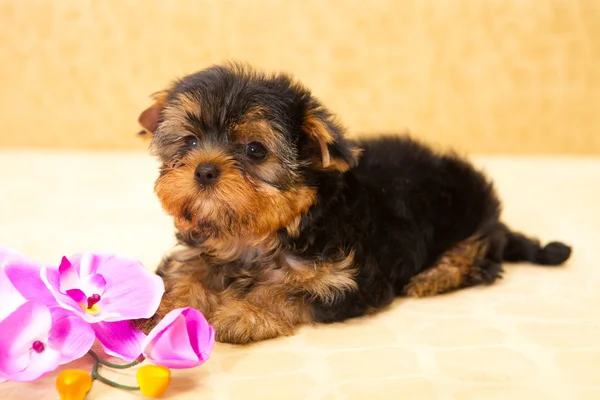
[{"x": 282, "y": 220}]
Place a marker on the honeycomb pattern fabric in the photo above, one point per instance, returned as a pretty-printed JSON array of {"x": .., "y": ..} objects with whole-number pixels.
[
  {"x": 534, "y": 335},
  {"x": 511, "y": 76}
]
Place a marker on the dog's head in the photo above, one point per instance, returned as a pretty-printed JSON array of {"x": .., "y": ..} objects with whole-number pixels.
[{"x": 236, "y": 146}]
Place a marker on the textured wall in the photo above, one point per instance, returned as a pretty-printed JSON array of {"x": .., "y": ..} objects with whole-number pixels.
[{"x": 482, "y": 75}]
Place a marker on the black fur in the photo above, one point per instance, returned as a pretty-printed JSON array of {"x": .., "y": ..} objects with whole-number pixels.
[{"x": 399, "y": 210}]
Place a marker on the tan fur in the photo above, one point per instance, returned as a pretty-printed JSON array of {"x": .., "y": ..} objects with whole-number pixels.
[
  {"x": 337, "y": 164},
  {"x": 322, "y": 280},
  {"x": 342, "y": 166},
  {"x": 246, "y": 305},
  {"x": 320, "y": 136},
  {"x": 187, "y": 105},
  {"x": 234, "y": 249},
  {"x": 183, "y": 288},
  {"x": 293, "y": 228},
  {"x": 451, "y": 272},
  {"x": 238, "y": 205},
  {"x": 266, "y": 312},
  {"x": 175, "y": 122}
]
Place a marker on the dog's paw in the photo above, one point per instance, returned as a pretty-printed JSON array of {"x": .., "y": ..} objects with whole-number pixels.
[{"x": 240, "y": 325}]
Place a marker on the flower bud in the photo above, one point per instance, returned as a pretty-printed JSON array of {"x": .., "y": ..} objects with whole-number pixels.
[
  {"x": 73, "y": 384},
  {"x": 153, "y": 380}
]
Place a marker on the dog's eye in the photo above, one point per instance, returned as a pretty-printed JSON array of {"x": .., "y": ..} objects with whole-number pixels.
[
  {"x": 191, "y": 141},
  {"x": 256, "y": 151}
]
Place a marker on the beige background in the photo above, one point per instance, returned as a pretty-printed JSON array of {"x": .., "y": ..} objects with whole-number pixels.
[{"x": 510, "y": 76}]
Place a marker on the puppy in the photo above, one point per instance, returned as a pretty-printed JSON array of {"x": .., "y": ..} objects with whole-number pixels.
[{"x": 281, "y": 220}]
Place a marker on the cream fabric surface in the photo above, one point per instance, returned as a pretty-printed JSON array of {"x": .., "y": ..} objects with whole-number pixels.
[{"x": 535, "y": 335}]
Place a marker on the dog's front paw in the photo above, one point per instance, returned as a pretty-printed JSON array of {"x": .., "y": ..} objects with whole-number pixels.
[{"x": 240, "y": 324}]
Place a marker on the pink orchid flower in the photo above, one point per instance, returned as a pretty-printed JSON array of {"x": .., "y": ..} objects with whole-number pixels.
[
  {"x": 35, "y": 339},
  {"x": 107, "y": 291},
  {"x": 182, "y": 339},
  {"x": 35, "y": 334}
]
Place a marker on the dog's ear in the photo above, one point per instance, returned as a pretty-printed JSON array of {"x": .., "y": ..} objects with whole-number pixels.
[
  {"x": 150, "y": 117},
  {"x": 335, "y": 153}
]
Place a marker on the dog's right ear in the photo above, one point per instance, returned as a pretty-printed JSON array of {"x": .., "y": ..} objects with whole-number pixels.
[
  {"x": 150, "y": 117},
  {"x": 330, "y": 149}
]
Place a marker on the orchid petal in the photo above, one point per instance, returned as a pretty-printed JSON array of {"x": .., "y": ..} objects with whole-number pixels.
[
  {"x": 7, "y": 254},
  {"x": 28, "y": 323},
  {"x": 20, "y": 281},
  {"x": 78, "y": 296},
  {"x": 50, "y": 277},
  {"x": 72, "y": 335},
  {"x": 10, "y": 298},
  {"x": 67, "y": 275},
  {"x": 24, "y": 274},
  {"x": 131, "y": 290},
  {"x": 87, "y": 263},
  {"x": 120, "y": 339},
  {"x": 201, "y": 333},
  {"x": 39, "y": 365},
  {"x": 93, "y": 284}
]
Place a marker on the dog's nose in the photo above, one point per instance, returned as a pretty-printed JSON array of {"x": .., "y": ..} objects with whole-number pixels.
[{"x": 207, "y": 173}]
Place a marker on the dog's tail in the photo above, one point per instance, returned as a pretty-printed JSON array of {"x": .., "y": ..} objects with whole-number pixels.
[{"x": 518, "y": 247}]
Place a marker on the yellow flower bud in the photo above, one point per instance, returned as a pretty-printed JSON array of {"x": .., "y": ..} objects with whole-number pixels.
[
  {"x": 153, "y": 380},
  {"x": 73, "y": 384}
]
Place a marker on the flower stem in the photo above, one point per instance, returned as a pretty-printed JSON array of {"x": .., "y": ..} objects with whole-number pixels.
[
  {"x": 95, "y": 375},
  {"x": 113, "y": 384},
  {"x": 115, "y": 366}
]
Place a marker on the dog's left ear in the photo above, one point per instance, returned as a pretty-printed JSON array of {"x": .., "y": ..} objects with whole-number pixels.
[
  {"x": 327, "y": 138},
  {"x": 150, "y": 117}
]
